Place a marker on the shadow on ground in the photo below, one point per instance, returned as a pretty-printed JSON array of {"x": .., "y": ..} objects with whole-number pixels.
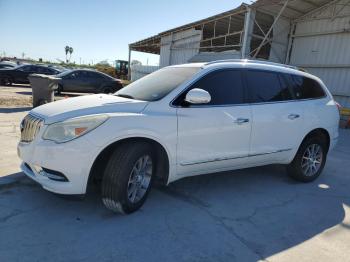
[
  {"x": 243, "y": 215},
  {"x": 24, "y": 93}
]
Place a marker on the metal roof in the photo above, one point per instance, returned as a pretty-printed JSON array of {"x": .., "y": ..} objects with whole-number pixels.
[
  {"x": 152, "y": 44},
  {"x": 294, "y": 10}
]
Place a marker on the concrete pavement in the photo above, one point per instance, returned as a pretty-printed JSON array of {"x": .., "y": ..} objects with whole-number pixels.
[{"x": 246, "y": 215}]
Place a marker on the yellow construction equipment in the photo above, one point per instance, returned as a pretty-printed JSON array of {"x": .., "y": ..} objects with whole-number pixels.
[{"x": 345, "y": 116}]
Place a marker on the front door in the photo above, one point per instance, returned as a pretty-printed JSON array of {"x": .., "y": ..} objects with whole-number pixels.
[{"x": 214, "y": 136}]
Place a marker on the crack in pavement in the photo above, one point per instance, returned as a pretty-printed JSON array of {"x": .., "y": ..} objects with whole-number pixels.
[{"x": 204, "y": 207}]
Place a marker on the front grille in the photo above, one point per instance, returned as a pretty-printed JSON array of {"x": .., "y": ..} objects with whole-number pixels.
[{"x": 30, "y": 126}]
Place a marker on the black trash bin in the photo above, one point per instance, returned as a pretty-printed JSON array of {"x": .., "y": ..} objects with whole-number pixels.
[{"x": 43, "y": 88}]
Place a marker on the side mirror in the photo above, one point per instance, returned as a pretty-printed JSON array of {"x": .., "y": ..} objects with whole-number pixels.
[{"x": 198, "y": 96}]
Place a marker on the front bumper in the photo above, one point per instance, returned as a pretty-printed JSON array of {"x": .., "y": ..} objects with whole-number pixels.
[{"x": 74, "y": 159}]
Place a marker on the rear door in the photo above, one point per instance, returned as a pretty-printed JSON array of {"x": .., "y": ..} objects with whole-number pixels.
[
  {"x": 71, "y": 81},
  {"x": 21, "y": 74},
  {"x": 214, "y": 136},
  {"x": 95, "y": 81},
  {"x": 277, "y": 119},
  {"x": 77, "y": 81}
]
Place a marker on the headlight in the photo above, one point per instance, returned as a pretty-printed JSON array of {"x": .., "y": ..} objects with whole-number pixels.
[{"x": 72, "y": 128}]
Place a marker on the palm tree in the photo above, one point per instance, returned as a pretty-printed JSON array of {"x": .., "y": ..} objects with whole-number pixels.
[
  {"x": 66, "y": 49},
  {"x": 70, "y": 52}
]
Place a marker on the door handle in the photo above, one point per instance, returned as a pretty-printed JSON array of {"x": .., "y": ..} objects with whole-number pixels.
[
  {"x": 293, "y": 116},
  {"x": 240, "y": 121}
]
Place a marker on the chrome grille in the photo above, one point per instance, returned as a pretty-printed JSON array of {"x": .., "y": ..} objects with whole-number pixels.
[{"x": 30, "y": 126}]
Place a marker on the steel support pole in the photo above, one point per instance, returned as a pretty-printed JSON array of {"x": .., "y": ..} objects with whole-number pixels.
[
  {"x": 247, "y": 21},
  {"x": 269, "y": 32},
  {"x": 129, "y": 64}
]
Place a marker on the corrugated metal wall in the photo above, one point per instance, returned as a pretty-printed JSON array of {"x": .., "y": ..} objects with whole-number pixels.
[
  {"x": 178, "y": 48},
  {"x": 279, "y": 43},
  {"x": 322, "y": 46},
  {"x": 139, "y": 71}
]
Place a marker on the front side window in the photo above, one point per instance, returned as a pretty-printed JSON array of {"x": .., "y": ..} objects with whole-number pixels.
[
  {"x": 25, "y": 68},
  {"x": 264, "y": 86},
  {"x": 157, "y": 85},
  {"x": 305, "y": 88},
  {"x": 41, "y": 70},
  {"x": 224, "y": 86}
]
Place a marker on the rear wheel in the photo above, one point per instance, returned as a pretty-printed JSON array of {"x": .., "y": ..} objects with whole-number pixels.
[
  {"x": 128, "y": 177},
  {"x": 107, "y": 90},
  {"x": 6, "y": 81},
  {"x": 310, "y": 159},
  {"x": 59, "y": 90}
]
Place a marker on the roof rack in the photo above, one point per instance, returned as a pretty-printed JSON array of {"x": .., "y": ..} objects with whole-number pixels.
[{"x": 263, "y": 62}]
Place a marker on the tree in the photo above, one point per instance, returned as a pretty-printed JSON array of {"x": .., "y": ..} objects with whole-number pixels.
[
  {"x": 66, "y": 49},
  {"x": 70, "y": 52}
]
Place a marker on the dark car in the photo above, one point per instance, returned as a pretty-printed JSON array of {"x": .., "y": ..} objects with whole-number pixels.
[
  {"x": 7, "y": 65},
  {"x": 87, "y": 81},
  {"x": 19, "y": 74}
]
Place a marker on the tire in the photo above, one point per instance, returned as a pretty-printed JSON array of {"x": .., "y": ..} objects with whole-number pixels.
[
  {"x": 59, "y": 90},
  {"x": 6, "y": 81},
  {"x": 107, "y": 90},
  {"x": 121, "y": 177},
  {"x": 306, "y": 165}
]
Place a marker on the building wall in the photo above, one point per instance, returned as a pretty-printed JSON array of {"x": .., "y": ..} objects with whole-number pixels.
[
  {"x": 139, "y": 71},
  {"x": 279, "y": 43},
  {"x": 322, "y": 46},
  {"x": 178, "y": 48}
]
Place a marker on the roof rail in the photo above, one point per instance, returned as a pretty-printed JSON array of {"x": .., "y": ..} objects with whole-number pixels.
[{"x": 263, "y": 62}]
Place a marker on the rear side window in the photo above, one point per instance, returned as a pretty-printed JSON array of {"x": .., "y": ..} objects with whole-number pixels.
[
  {"x": 224, "y": 86},
  {"x": 26, "y": 68},
  {"x": 95, "y": 75},
  {"x": 305, "y": 88},
  {"x": 265, "y": 86}
]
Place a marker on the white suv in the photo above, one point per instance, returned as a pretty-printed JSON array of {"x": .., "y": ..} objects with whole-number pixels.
[{"x": 181, "y": 121}]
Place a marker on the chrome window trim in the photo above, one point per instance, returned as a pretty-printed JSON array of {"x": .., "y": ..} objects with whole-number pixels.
[
  {"x": 251, "y": 104},
  {"x": 171, "y": 103}
]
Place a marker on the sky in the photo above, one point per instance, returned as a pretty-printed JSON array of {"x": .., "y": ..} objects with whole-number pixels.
[{"x": 97, "y": 30}]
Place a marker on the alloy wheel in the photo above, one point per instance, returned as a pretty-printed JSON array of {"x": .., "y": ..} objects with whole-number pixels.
[
  {"x": 312, "y": 160},
  {"x": 140, "y": 178}
]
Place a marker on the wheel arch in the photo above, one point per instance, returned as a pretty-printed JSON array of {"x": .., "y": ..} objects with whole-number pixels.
[
  {"x": 162, "y": 156},
  {"x": 316, "y": 132}
]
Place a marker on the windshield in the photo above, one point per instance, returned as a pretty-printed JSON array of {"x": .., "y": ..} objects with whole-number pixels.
[{"x": 157, "y": 85}]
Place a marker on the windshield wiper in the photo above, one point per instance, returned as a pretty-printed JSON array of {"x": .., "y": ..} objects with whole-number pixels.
[{"x": 125, "y": 96}]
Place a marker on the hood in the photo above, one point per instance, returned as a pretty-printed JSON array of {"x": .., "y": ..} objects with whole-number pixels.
[{"x": 87, "y": 105}]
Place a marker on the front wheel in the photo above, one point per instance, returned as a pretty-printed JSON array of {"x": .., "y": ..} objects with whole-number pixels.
[
  {"x": 128, "y": 178},
  {"x": 310, "y": 159},
  {"x": 6, "y": 81}
]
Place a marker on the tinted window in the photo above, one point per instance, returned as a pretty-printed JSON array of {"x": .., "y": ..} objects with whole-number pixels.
[
  {"x": 225, "y": 87},
  {"x": 84, "y": 74},
  {"x": 305, "y": 88},
  {"x": 286, "y": 92},
  {"x": 41, "y": 70},
  {"x": 26, "y": 68},
  {"x": 264, "y": 87},
  {"x": 94, "y": 75}
]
